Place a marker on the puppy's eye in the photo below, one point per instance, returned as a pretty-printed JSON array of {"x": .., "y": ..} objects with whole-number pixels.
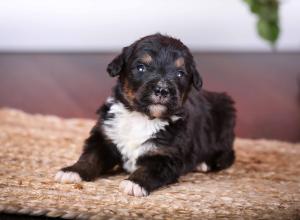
[
  {"x": 141, "y": 68},
  {"x": 180, "y": 73}
]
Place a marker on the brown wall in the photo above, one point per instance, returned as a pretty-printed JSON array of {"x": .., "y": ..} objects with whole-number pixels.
[{"x": 266, "y": 87}]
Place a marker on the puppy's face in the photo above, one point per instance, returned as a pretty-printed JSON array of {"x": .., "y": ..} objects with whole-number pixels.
[{"x": 155, "y": 75}]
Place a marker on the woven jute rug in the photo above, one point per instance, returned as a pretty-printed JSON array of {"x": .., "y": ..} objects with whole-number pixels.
[{"x": 264, "y": 183}]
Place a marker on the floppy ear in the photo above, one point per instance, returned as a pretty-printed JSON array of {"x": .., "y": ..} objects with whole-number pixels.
[
  {"x": 116, "y": 66},
  {"x": 196, "y": 78}
]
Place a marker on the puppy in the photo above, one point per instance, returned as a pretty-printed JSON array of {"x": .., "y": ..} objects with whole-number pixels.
[{"x": 158, "y": 124}]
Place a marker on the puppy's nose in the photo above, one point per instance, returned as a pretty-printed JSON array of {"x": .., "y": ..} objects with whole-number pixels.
[{"x": 161, "y": 91}]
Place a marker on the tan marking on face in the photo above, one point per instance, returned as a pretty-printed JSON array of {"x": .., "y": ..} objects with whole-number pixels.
[
  {"x": 179, "y": 62},
  {"x": 147, "y": 58},
  {"x": 129, "y": 93},
  {"x": 157, "y": 110}
]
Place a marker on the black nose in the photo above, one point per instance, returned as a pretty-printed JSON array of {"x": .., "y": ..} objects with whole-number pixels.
[{"x": 161, "y": 91}]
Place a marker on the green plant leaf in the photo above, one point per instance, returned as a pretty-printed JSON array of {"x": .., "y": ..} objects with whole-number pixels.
[
  {"x": 268, "y": 30},
  {"x": 268, "y": 19},
  {"x": 268, "y": 13}
]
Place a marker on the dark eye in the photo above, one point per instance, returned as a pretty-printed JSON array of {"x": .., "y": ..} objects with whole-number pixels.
[
  {"x": 141, "y": 68},
  {"x": 180, "y": 73}
]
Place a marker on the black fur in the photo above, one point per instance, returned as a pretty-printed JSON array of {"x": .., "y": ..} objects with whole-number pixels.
[{"x": 204, "y": 132}]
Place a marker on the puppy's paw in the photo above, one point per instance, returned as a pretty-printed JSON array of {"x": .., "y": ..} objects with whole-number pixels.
[
  {"x": 203, "y": 167},
  {"x": 67, "y": 177},
  {"x": 131, "y": 188}
]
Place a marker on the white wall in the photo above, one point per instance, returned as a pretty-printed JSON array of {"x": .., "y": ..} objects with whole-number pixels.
[{"x": 72, "y": 25}]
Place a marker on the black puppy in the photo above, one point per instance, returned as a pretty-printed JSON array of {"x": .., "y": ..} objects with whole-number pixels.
[{"x": 158, "y": 124}]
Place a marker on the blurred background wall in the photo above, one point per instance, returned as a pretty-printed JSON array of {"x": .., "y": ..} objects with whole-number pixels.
[{"x": 93, "y": 25}]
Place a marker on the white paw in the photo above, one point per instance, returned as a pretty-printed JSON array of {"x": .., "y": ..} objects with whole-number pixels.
[
  {"x": 67, "y": 177},
  {"x": 131, "y": 188},
  {"x": 203, "y": 167}
]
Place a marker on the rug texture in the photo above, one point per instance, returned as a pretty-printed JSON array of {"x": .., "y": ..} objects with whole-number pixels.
[{"x": 264, "y": 183}]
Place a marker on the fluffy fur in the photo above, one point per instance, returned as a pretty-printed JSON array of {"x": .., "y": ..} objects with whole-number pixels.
[
  {"x": 129, "y": 131},
  {"x": 159, "y": 123}
]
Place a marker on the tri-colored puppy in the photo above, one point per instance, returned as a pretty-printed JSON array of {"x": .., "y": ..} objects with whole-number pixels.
[{"x": 158, "y": 124}]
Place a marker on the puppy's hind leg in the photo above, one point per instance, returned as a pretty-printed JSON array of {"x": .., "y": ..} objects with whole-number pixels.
[
  {"x": 98, "y": 157},
  {"x": 223, "y": 115},
  {"x": 221, "y": 160}
]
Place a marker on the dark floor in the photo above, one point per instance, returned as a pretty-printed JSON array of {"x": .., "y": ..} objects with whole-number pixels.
[{"x": 266, "y": 87}]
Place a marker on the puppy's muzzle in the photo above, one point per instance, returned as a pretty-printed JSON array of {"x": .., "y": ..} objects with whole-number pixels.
[{"x": 161, "y": 91}]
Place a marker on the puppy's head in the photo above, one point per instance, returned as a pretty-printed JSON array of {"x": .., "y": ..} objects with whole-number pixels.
[{"x": 155, "y": 75}]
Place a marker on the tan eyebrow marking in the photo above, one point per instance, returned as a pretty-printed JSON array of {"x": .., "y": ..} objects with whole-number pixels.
[
  {"x": 129, "y": 93},
  {"x": 179, "y": 62},
  {"x": 147, "y": 58}
]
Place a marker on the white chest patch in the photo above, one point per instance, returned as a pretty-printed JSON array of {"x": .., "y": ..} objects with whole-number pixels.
[{"x": 129, "y": 131}]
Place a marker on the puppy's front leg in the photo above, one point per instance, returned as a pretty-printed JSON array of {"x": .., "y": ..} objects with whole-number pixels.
[
  {"x": 98, "y": 157},
  {"x": 154, "y": 171}
]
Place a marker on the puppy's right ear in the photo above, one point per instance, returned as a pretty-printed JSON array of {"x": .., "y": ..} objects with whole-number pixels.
[{"x": 116, "y": 66}]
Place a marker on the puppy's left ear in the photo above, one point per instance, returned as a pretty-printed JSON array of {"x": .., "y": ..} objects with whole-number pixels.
[
  {"x": 196, "y": 78},
  {"x": 116, "y": 66}
]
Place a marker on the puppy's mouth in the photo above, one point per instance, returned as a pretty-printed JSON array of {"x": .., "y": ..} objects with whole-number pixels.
[
  {"x": 158, "y": 106},
  {"x": 156, "y": 103},
  {"x": 159, "y": 100},
  {"x": 157, "y": 110}
]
